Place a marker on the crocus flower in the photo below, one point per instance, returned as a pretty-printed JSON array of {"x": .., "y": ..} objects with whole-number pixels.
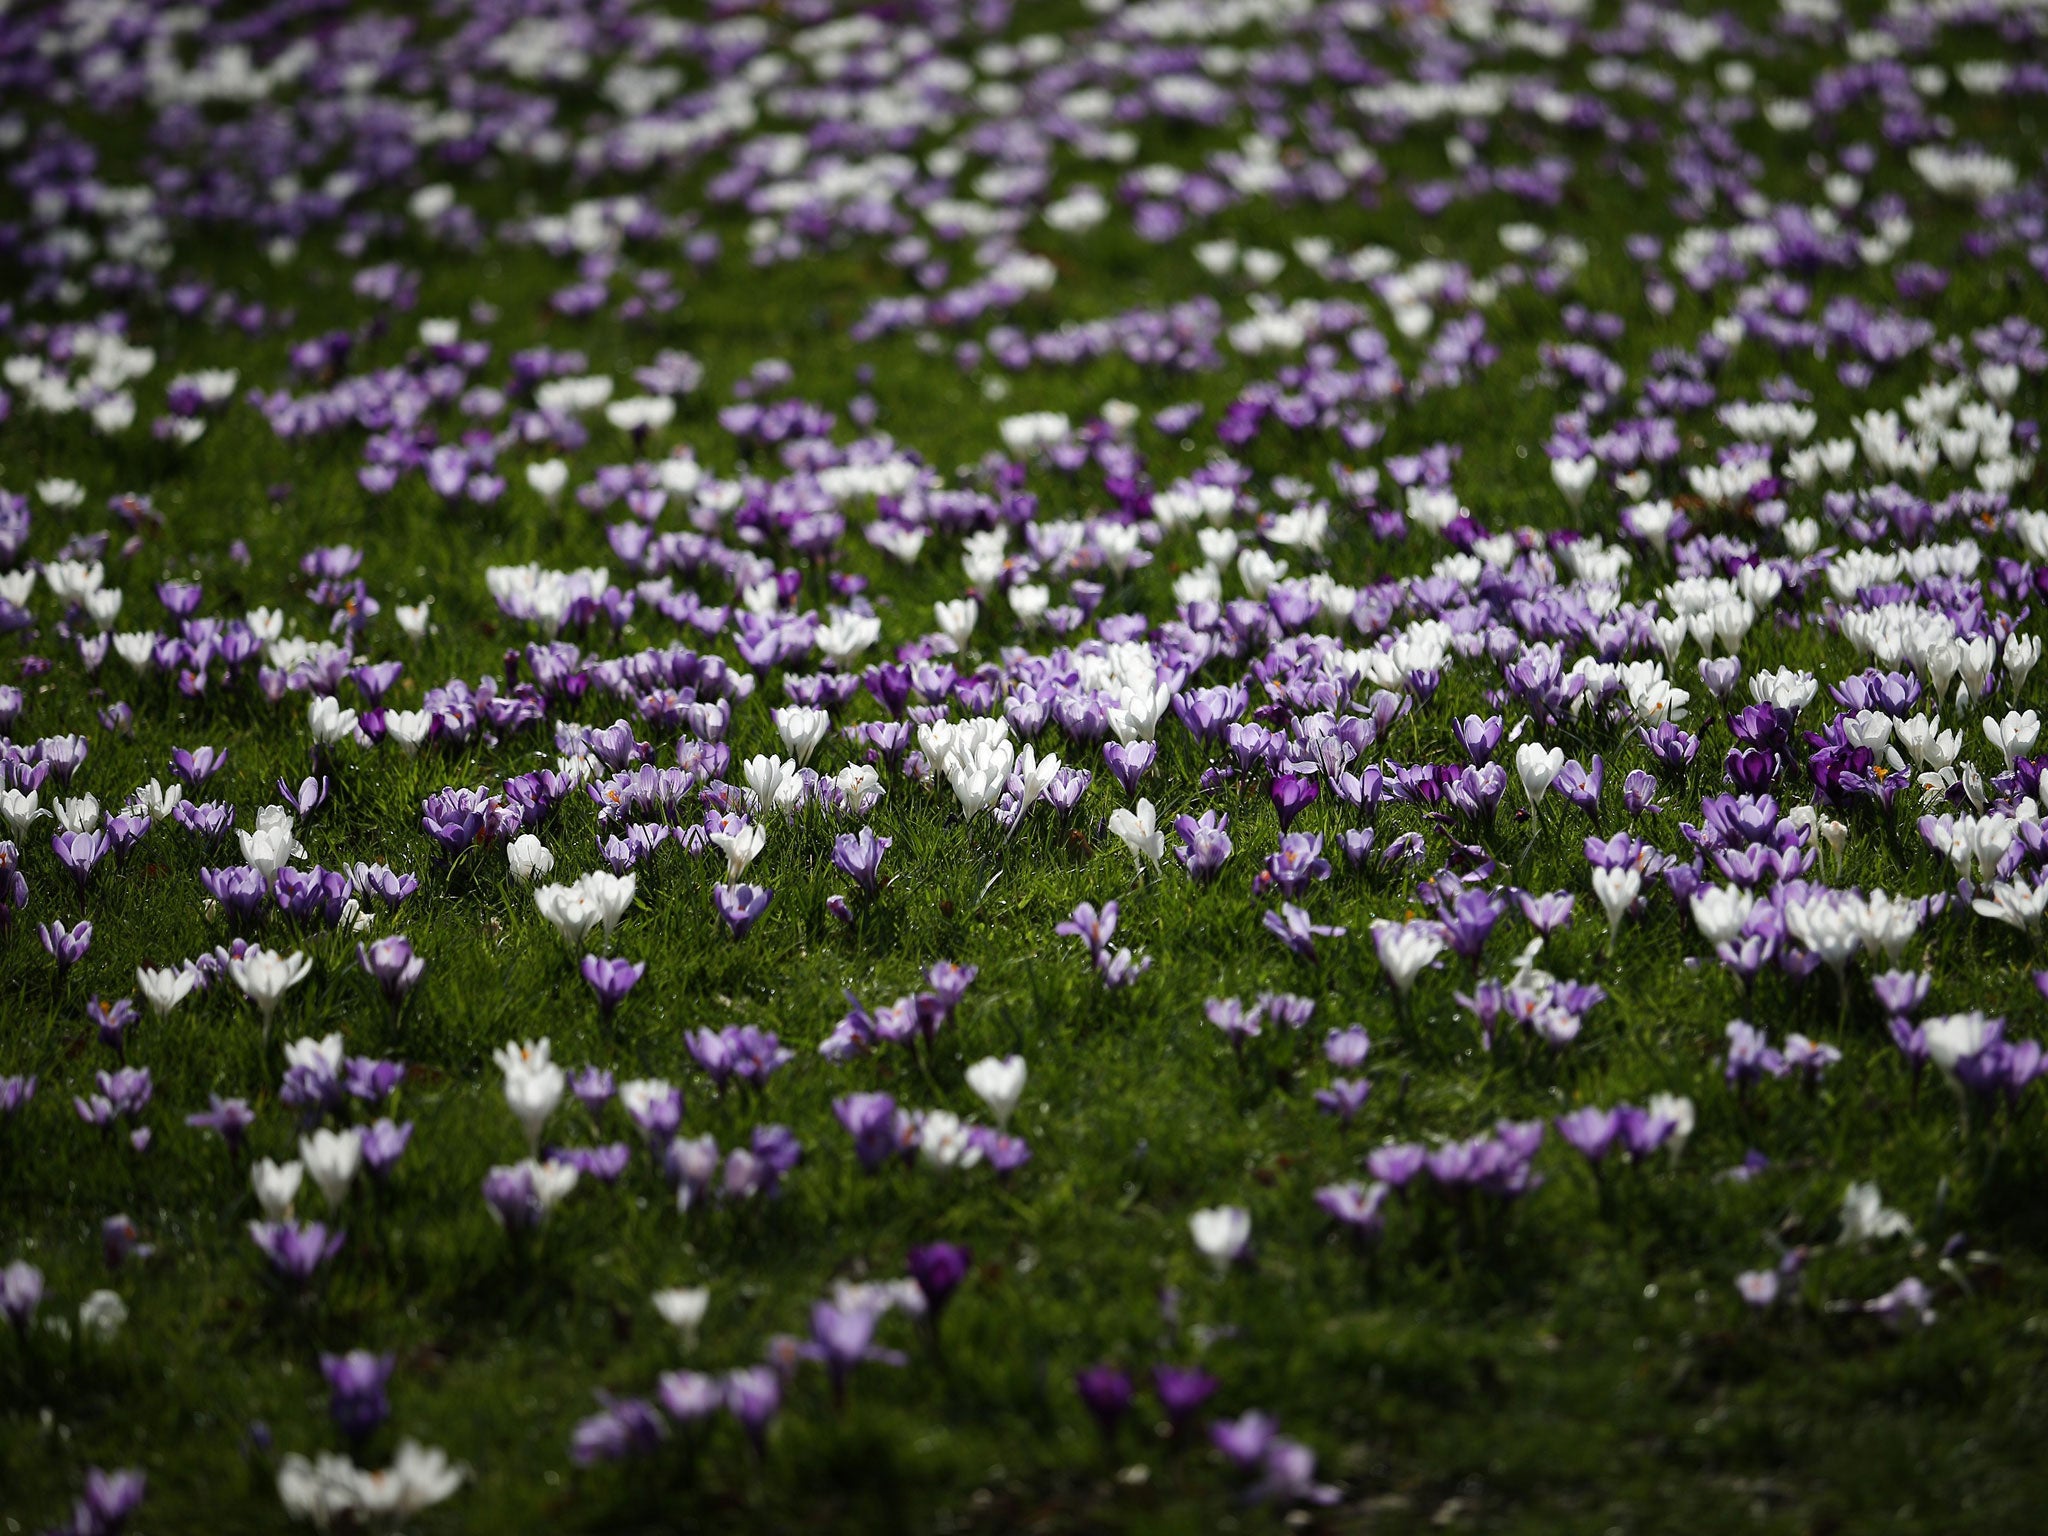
[
  {"x": 1181, "y": 1391},
  {"x": 741, "y": 906},
  {"x": 938, "y": 1269},
  {"x": 356, "y": 1390},
  {"x": 1294, "y": 928},
  {"x": 1291, "y": 796},
  {"x": 1222, "y": 1234},
  {"x": 296, "y": 1253},
  {"x": 611, "y": 980},
  {"x": 393, "y": 965},
  {"x": 228, "y": 1119},
  {"x": 67, "y": 946},
  {"x": 21, "y": 1293},
  {"x": 622, "y": 1428},
  {"x": 1406, "y": 949},
  {"x": 265, "y": 976},
  {"x": 1106, "y": 1393},
  {"x": 999, "y": 1083},
  {"x": 858, "y": 856}
]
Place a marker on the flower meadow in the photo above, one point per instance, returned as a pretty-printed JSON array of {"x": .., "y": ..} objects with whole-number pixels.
[{"x": 1149, "y": 765}]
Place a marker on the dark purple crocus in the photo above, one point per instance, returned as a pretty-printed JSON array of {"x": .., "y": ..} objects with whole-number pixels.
[
  {"x": 938, "y": 1269},
  {"x": 296, "y": 1253},
  {"x": 393, "y": 965},
  {"x": 1181, "y": 1391},
  {"x": 67, "y": 946},
  {"x": 878, "y": 1130},
  {"x": 611, "y": 980},
  {"x": 356, "y": 1395},
  {"x": 1469, "y": 921},
  {"x": 1106, "y": 1393},
  {"x": 1291, "y": 796},
  {"x": 741, "y": 906},
  {"x": 858, "y": 856}
]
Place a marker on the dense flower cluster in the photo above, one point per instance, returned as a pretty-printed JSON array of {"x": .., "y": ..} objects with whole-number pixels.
[{"x": 1735, "y": 677}]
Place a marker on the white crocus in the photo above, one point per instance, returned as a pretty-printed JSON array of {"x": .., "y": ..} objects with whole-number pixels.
[
  {"x": 534, "y": 1086},
  {"x": 265, "y": 976},
  {"x": 683, "y": 1309},
  {"x": 329, "y": 722},
  {"x": 803, "y": 730},
  {"x": 529, "y": 858},
  {"x": 998, "y": 1081},
  {"x": 1538, "y": 766},
  {"x": 163, "y": 990},
  {"x": 740, "y": 848},
  {"x": 332, "y": 1159},
  {"x": 276, "y": 1186},
  {"x": 1139, "y": 831},
  {"x": 1222, "y": 1234},
  {"x": 1617, "y": 890}
]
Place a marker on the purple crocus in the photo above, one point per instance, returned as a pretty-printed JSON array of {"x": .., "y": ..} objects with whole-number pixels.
[
  {"x": 195, "y": 767},
  {"x": 228, "y": 1119},
  {"x": 67, "y": 946},
  {"x": 938, "y": 1270},
  {"x": 1292, "y": 926},
  {"x": 1591, "y": 1131},
  {"x": 356, "y": 1395},
  {"x": 1547, "y": 914},
  {"x": 1291, "y": 796},
  {"x": 753, "y": 1395},
  {"x": 1345, "y": 1097},
  {"x": 1128, "y": 764},
  {"x": 393, "y": 965},
  {"x": 611, "y": 980},
  {"x": 1297, "y": 862},
  {"x": 1106, "y": 1393},
  {"x": 623, "y": 1427},
  {"x": 741, "y": 905},
  {"x": 110, "y": 1498},
  {"x": 384, "y": 1143},
  {"x": 1205, "y": 844},
  {"x": 841, "y": 1338},
  {"x": 858, "y": 856},
  {"x": 296, "y": 1253},
  {"x": 21, "y": 1292},
  {"x": 1181, "y": 1391}
]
